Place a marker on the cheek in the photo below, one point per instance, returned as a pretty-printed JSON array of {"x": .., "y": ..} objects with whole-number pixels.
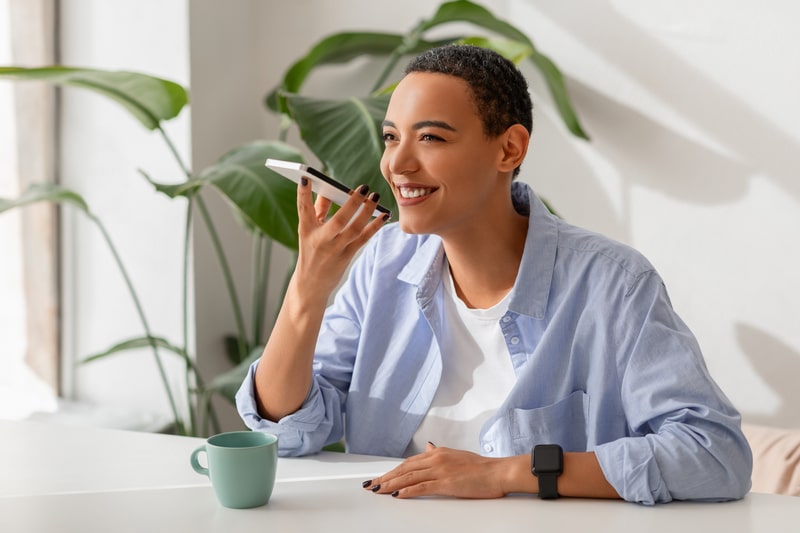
[{"x": 385, "y": 166}]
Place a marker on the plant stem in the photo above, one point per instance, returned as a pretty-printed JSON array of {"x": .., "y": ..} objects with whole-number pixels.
[
  {"x": 178, "y": 423},
  {"x": 387, "y": 69},
  {"x": 260, "y": 285},
  {"x": 220, "y": 253},
  {"x": 226, "y": 274},
  {"x": 409, "y": 43},
  {"x": 190, "y": 369},
  {"x": 175, "y": 153},
  {"x": 256, "y": 266}
]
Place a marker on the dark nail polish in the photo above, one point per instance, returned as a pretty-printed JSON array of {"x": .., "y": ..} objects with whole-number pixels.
[
  {"x": 303, "y": 181},
  {"x": 376, "y": 488},
  {"x": 363, "y": 190},
  {"x": 386, "y": 217},
  {"x": 395, "y": 494},
  {"x": 367, "y": 483},
  {"x": 375, "y": 197}
]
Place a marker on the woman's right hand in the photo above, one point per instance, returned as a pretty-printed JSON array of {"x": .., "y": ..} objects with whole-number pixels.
[{"x": 328, "y": 244}]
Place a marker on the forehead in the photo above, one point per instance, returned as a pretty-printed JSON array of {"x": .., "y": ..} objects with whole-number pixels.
[{"x": 428, "y": 95}]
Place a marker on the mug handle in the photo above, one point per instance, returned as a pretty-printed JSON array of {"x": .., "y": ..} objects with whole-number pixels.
[{"x": 200, "y": 469}]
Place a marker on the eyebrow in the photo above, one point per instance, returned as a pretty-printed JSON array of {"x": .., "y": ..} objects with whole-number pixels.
[{"x": 424, "y": 124}]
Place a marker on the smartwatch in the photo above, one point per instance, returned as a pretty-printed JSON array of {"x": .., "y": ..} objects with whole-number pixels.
[{"x": 547, "y": 463}]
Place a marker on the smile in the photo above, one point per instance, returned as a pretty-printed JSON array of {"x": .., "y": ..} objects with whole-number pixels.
[{"x": 414, "y": 192}]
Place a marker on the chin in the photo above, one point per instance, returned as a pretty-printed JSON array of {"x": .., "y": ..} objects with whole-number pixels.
[{"x": 410, "y": 226}]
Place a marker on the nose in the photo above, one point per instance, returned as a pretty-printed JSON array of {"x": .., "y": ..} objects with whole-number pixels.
[{"x": 399, "y": 159}]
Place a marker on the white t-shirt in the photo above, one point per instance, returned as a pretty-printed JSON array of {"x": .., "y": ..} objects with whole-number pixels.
[{"x": 477, "y": 375}]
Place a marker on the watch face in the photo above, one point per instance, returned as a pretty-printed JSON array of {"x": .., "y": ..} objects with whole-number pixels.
[{"x": 547, "y": 458}]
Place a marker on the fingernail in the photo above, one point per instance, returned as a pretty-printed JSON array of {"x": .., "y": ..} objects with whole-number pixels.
[
  {"x": 367, "y": 483},
  {"x": 303, "y": 181},
  {"x": 395, "y": 494},
  {"x": 363, "y": 190},
  {"x": 386, "y": 217},
  {"x": 432, "y": 444},
  {"x": 376, "y": 488},
  {"x": 375, "y": 197}
]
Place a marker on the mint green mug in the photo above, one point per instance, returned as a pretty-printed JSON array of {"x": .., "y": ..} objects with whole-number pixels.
[{"x": 241, "y": 466}]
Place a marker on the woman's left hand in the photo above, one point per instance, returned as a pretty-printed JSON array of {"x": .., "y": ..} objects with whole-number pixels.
[{"x": 443, "y": 472}]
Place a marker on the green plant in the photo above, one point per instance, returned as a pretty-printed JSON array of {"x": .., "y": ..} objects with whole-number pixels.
[
  {"x": 344, "y": 134},
  {"x": 240, "y": 177}
]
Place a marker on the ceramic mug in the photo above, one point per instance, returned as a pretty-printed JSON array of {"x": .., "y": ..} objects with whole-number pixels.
[{"x": 241, "y": 466}]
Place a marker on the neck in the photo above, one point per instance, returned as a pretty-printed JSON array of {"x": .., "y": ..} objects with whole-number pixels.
[{"x": 484, "y": 260}]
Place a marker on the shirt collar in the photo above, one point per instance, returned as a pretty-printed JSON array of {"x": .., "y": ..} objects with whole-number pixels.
[
  {"x": 424, "y": 269},
  {"x": 532, "y": 287}
]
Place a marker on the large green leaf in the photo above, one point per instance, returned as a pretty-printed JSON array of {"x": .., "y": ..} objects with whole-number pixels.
[
  {"x": 514, "y": 51},
  {"x": 466, "y": 11},
  {"x": 45, "y": 192},
  {"x": 135, "y": 344},
  {"x": 151, "y": 100},
  {"x": 263, "y": 198},
  {"x": 339, "y": 48},
  {"x": 173, "y": 190},
  {"x": 346, "y": 135}
]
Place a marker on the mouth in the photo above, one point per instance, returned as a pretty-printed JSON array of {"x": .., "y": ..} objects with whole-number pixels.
[{"x": 414, "y": 192}]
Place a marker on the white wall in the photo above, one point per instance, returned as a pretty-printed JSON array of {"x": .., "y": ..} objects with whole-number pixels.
[{"x": 691, "y": 107}]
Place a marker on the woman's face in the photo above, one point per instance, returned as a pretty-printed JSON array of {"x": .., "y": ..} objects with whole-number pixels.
[{"x": 440, "y": 164}]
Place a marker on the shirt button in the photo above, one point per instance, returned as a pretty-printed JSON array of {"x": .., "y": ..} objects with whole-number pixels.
[
  {"x": 487, "y": 447},
  {"x": 506, "y": 319},
  {"x": 515, "y": 340}
]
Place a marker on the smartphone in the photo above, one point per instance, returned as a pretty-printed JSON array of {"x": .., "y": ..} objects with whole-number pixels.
[{"x": 321, "y": 184}]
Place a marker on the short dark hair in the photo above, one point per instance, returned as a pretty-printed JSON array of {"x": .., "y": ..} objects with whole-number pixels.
[{"x": 499, "y": 88}]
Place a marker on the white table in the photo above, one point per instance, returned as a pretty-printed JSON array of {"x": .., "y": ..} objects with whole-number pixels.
[
  {"x": 42, "y": 459},
  {"x": 62, "y": 480}
]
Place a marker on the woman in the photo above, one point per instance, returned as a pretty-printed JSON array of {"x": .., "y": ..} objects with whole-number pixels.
[{"x": 484, "y": 324}]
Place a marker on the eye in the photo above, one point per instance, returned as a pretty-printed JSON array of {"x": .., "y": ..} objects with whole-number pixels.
[
  {"x": 388, "y": 136},
  {"x": 428, "y": 137}
]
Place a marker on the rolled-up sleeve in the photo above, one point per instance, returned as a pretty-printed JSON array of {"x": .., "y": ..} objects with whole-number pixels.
[
  {"x": 317, "y": 423},
  {"x": 687, "y": 442}
]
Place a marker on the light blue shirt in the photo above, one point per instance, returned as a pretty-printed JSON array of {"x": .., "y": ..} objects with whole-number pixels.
[{"x": 603, "y": 364}]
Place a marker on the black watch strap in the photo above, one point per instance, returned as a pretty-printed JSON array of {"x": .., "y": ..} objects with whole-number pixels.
[
  {"x": 548, "y": 486},
  {"x": 547, "y": 463}
]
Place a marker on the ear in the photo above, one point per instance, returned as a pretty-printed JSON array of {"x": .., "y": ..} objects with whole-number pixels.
[{"x": 513, "y": 147}]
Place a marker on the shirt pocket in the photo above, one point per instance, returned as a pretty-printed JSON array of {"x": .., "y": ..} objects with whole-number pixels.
[{"x": 564, "y": 422}]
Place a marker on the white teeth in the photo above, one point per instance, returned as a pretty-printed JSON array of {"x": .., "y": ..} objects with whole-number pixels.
[{"x": 406, "y": 192}]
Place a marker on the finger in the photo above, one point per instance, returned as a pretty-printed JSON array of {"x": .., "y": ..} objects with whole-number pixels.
[
  {"x": 360, "y": 237},
  {"x": 345, "y": 217},
  {"x": 305, "y": 204},
  {"x": 426, "y": 488},
  {"x": 321, "y": 208},
  {"x": 389, "y": 484},
  {"x": 409, "y": 471}
]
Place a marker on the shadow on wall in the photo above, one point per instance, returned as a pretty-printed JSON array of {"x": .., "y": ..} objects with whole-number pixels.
[
  {"x": 649, "y": 154},
  {"x": 554, "y": 169},
  {"x": 652, "y": 155},
  {"x": 778, "y": 365},
  {"x": 667, "y": 160}
]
